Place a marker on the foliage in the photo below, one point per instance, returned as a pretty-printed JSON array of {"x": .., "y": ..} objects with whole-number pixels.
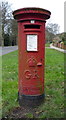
[
  {"x": 6, "y": 40},
  {"x": 53, "y": 107},
  {"x": 64, "y": 38},
  {"x": 56, "y": 39}
]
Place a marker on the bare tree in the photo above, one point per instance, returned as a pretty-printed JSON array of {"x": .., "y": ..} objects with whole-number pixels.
[
  {"x": 49, "y": 36},
  {"x": 0, "y": 26},
  {"x": 53, "y": 28},
  {"x": 51, "y": 31},
  {"x": 6, "y": 16},
  {"x": 13, "y": 32}
]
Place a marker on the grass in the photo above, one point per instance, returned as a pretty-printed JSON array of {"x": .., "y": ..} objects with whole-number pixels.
[
  {"x": 53, "y": 106},
  {"x": 47, "y": 45},
  {"x": 10, "y": 81},
  {"x": 54, "y": 85},
  {"x": 0, "y": 85}
]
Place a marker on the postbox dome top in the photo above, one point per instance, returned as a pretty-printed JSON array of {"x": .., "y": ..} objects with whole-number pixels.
[{"x": 32, "y": 11}]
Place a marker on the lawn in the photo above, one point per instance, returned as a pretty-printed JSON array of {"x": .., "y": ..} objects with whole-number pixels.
[
  {"x": 47, "y": 45},
  {"x": 0, "y": 85},
  {"x": 9, "y": 82},
  {"x": 53, "y": 107}
]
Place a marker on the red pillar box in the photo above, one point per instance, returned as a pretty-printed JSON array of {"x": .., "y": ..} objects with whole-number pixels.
[{"x": 31, "y": 47}]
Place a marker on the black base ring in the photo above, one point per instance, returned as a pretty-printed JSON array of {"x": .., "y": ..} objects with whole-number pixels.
[{"x": 31, "y": 101}]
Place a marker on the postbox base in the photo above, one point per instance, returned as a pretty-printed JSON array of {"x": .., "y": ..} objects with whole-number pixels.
[{"x": 31, "y": 101}]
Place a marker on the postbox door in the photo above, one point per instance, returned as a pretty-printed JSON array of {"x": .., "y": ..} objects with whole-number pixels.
[{"x": 31, "y": 65}]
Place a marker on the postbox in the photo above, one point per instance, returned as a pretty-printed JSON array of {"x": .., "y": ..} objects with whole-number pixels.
[{"x": 31, "y": 52}]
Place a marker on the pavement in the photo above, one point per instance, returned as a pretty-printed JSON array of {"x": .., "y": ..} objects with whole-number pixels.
[
  {"x": 56, "y": 48},
  {"x": 6, "y": 50}
]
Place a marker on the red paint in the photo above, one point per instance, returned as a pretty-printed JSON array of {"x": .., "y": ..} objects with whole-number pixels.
[{"x": 31, "y": 63}]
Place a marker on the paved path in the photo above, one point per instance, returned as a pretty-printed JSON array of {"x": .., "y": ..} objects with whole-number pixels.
[
  {"x": 56, "y": 48},
  {"x": 5, "y": 50}
]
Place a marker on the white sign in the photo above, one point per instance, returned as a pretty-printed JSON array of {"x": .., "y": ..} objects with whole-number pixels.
[{"x": 32, "y": 43}]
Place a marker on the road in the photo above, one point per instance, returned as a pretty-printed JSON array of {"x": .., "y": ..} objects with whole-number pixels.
[{"x": 6, "y": 50}]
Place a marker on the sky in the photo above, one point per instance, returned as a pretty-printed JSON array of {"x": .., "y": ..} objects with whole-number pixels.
[{"x": 56, "y": 7}]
